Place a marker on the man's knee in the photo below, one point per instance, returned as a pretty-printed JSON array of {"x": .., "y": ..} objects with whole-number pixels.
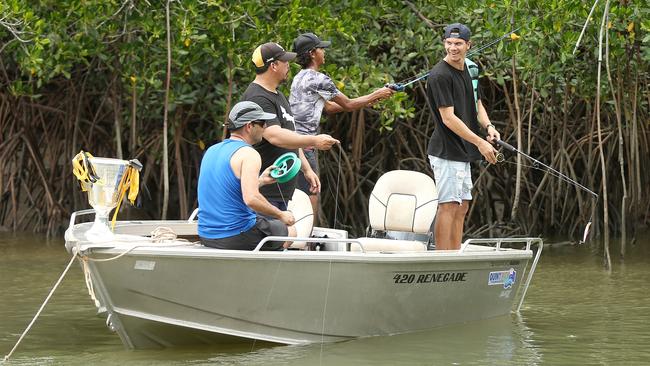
[
  {"x": 453, "y": 210},
  {"x": 448, "y": 208},
  {"x": 463, "y": 208},
  {"x": 291, "y": 231}
]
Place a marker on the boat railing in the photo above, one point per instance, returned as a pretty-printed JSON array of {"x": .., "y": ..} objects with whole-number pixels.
[
  {"x": 497, "y": 242},
  {"x": 73, "y": 216},
  {"x": 308, "y": 240},
  {"x": 193, "y": 215}
]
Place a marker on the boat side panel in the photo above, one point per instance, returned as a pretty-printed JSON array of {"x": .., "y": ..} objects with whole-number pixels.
[{"x": 308, "y": 301}]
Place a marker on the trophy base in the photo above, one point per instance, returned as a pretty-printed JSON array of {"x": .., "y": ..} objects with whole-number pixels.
[{"x": 99, "y": 232}]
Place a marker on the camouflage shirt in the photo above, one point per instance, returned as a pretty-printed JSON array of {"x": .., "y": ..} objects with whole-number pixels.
[{"x": 309, "y": 91}]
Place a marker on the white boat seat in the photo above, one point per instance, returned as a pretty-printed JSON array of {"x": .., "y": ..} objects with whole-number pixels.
[
  {"x": 300, "y": 206},
  {"x": 388, "y": 245},
  {"x": 402, "y": 200}
]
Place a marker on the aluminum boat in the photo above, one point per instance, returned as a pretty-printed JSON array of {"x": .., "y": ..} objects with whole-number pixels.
[{"x": 158, "y": 287}]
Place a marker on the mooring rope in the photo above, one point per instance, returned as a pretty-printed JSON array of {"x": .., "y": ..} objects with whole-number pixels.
[
  {"x": 158, "y": 236},
  {"x": 88, "y": 280},
  {"x": 38, "y": 313}
]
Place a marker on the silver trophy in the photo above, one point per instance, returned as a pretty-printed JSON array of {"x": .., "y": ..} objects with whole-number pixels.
[{"x": 103, "y": 195}]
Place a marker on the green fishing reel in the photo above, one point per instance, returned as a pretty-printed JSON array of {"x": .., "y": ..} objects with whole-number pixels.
[{"x": 286, "y": 168}]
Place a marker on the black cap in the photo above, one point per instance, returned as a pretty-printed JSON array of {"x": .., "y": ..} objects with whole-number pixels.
[
  {"x": 307, "y": 42},
  {"x": 457, "y": 30},
  {"x": 269, "y": 52}
]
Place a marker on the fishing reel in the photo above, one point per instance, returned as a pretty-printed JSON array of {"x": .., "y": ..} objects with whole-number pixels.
[
  {"x": 286, "y": 168},
  {"x": 395, "y": 86}
]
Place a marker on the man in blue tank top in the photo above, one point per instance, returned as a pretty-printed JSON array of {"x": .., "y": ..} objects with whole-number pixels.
[{"x": 228, "y": 189}]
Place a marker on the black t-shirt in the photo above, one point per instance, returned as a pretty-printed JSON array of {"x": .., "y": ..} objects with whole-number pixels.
[
  {"x": 277, "y": 104},
  {"x": 446, "y": 87}
]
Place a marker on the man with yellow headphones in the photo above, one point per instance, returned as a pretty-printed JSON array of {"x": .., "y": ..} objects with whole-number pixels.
[{"x": 271, "y": 63}]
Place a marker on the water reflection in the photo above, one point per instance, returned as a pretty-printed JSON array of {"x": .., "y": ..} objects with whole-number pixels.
[{"x": 499, "y": 341}]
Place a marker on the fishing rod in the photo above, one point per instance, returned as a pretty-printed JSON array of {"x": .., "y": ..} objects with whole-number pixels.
[
  {"x": 401, "y": 86},
  {"x": 536, "y": 162},
  {"x": 555, "y": 173}
]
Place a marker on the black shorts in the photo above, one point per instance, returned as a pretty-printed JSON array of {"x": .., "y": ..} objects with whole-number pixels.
[
  {"x": 248, "y": 240},
  {"x": 312, "y": 158}
]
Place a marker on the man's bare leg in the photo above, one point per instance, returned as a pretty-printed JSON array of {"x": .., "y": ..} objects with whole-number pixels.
[
  {"x": 459, "y": 224},
  {"x": 314, "y": 206},
  {"x": 445, "y": 225}
]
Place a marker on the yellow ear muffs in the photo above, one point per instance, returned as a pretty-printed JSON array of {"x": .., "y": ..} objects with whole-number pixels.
[{"x": 257, "y": 57}]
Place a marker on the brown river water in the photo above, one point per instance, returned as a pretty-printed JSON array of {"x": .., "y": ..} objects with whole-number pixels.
[{"x": 575, "y": 313}]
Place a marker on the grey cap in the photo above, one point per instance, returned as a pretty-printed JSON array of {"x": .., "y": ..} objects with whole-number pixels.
[
  {"x": 457, "y": 30},
  {"x": 245, "y": 112}
]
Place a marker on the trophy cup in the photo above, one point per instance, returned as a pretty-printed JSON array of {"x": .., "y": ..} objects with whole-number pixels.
[{"x": 103, "y": 195}]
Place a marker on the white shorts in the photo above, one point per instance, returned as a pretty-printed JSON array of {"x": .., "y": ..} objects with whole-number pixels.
[{"x": 453, "y": 179}]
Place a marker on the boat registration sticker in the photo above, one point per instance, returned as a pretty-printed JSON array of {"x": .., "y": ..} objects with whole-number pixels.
[
  {"x": 505, "y": 278},
  {"x": 145, "y": 265}
]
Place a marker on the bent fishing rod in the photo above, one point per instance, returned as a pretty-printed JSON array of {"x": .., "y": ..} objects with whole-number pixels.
[
  {"x": 536, "y": 163},
  {"x": 402, "y": 86},
  {"x": 555, "y": 173}
]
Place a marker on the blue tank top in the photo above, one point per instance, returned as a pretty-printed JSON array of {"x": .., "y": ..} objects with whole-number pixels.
[{"x": 222, "y": 211}]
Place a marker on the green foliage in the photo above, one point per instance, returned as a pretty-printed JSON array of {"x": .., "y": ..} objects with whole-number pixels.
[
  {"x": 116, "y": 49},
  {"x": 372, "y": 44}
]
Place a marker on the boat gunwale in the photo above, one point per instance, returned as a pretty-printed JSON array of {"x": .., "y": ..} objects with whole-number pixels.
[
  {"x": 195, "y": 250},
  {"x": 339, "y": 256}
]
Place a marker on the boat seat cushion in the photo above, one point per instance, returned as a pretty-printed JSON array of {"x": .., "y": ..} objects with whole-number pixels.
[
  {"x": 300, "y": 206},
  {"x": 403, "y": 200},
  {"x": 388, "y": 245}
]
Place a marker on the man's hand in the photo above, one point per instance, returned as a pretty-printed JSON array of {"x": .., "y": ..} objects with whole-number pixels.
[
  {"x": 379, "y": 95},
  {"x": 492, "y": 134},
  {"x": 265, "y": 178},
  {"x": 287, "y": 218},
  {"x": 383, "y": 93},
  {"x": 314, "y": 181},
  {"x": 488, "y": 151},
  {"x": 325, "y": 142}
]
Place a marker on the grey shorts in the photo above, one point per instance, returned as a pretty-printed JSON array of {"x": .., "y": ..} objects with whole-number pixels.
[
  {"x": 248, "y": 240},
  {"x": 453, "y": 180},
  {"x": 312, "y": 158}
]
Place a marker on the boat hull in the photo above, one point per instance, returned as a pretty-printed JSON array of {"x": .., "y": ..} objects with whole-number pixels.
[{"x": 294, "y": 298}]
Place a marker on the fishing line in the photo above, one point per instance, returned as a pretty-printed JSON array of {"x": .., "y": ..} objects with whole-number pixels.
[
  {"x": 338, "y": 179},
  {"x": 551, "y": 173},
  {"x": 556, "y": 174},
  {"x": 281, "y": 195}
]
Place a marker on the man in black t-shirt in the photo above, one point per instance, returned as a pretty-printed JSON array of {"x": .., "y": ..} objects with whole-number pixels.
[
  {"x": 455, "y": 141},
  {"x": 271, "y": 63}
]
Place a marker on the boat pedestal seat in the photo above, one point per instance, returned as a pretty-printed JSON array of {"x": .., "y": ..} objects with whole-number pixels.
[
  {"x": 402, "y": 200},
  {"x": 388, "y": 245}
]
